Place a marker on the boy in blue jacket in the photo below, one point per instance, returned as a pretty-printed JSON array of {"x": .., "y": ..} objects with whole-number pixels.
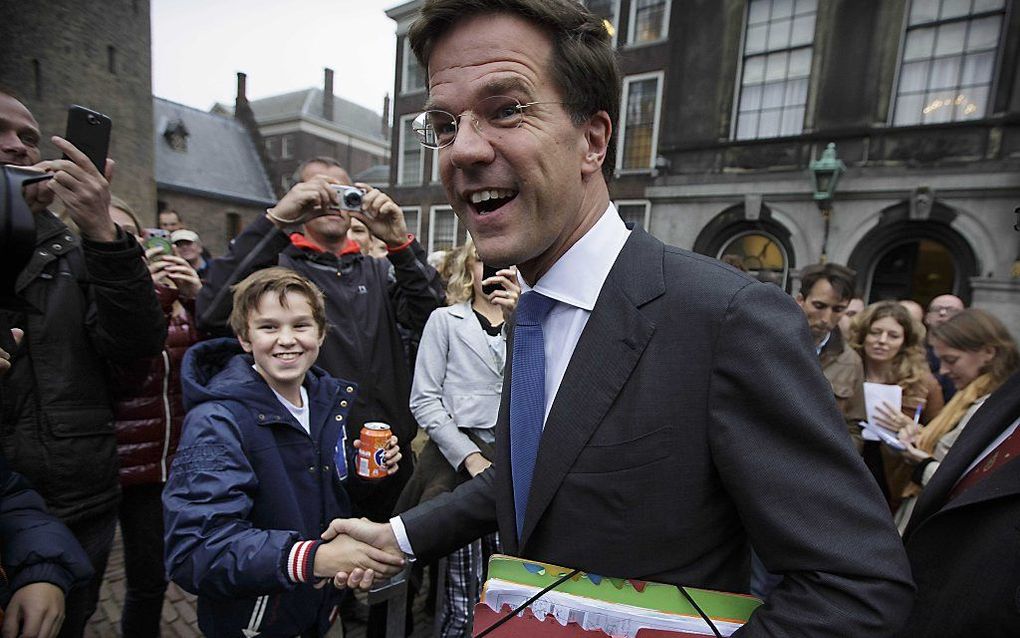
[{"x": 262, "y": 469}]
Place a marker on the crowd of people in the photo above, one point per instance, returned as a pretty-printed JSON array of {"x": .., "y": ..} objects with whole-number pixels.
[{"x": 665, "y": 416}]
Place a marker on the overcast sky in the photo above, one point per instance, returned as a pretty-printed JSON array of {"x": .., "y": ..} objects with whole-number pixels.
[{"x": 199, "y": 45}]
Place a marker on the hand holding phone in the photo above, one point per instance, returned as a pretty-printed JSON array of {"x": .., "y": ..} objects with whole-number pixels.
[
  {"x": 489, "y": 271},
  {"x": 89, "y": 131},
  {"x": 157, "y": 238}
]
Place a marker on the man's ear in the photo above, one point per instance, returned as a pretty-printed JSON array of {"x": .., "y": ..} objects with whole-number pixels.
[
  {"x": 598, "y": 130},
  {"x": 245, "y": 344},
  {"x": 799, "y": 298}
]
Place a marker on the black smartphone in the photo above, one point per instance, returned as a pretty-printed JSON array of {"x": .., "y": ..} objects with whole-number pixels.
[
  {"x": 489, "y": 271},
  {"x": 89, "y": 131}
]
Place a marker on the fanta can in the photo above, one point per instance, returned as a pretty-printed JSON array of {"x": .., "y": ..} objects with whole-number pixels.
[{"x": 372, "y": 453}]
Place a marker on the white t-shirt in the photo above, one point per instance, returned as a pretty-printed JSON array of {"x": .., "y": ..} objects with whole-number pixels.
[{"x": 300, "y": 413}]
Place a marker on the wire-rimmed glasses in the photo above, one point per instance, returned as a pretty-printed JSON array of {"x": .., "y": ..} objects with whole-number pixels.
[{"x": 437, "y": 129}]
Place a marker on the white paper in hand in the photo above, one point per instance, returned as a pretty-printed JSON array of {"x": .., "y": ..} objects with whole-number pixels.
[{"x": 875, "y": 394}]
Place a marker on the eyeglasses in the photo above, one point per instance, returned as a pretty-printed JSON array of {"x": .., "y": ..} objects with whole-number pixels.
[{"x": 438, "y": 129}]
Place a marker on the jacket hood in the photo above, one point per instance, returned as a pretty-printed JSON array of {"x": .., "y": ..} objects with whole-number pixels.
[{"x": 219, "y": 369}]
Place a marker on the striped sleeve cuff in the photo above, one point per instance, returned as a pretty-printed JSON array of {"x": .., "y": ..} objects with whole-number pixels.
[{"x": 300, "y": 561}]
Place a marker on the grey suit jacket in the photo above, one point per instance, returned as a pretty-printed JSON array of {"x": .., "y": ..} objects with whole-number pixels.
[{"x": 693, "y": 420}]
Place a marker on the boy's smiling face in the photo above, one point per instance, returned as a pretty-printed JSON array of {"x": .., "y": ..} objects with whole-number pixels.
[{"x": 284, "y": 340}]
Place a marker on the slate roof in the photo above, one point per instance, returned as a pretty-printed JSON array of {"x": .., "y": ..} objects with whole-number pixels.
[
  {"x": 351, "y": 117},
  {"x": 220, "y": 160}
]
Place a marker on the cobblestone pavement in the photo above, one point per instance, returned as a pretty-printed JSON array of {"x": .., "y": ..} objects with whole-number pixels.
[{"x": 179, "y": 619}]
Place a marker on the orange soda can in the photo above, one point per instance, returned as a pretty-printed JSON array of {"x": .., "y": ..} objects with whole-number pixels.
[{"x": 372, "y": 453}]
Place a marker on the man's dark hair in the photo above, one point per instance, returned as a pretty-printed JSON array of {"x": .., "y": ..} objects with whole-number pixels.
[
  {"x": 584, "y": 65},
  {"x": 168, "y": 209},
  {"x": 839, "y": 277},
  {"x": 322, "y": 159}
]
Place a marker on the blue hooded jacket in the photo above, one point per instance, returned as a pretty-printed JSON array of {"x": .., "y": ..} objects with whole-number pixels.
[{"x": 248, "y": 484}]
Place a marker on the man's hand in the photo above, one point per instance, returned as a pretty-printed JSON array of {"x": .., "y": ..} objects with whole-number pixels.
[
  {"x": 382, "y": 216},
  {"x": 5, "y": 357},
  {"x": 85, "y": 192},
  {"x": 305, "y": 201},
  {"x": 475, "y": 464},
  {"x": 345, "y": 554},
  {"x": 378, "y": 535},
  {"x": 35, "y": 611}
]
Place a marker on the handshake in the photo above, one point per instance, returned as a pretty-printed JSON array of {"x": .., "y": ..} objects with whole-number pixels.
[{"x": 356, "y": 552}]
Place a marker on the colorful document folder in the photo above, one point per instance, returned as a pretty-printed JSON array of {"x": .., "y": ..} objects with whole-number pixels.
[{"x": 591, "y": 606}]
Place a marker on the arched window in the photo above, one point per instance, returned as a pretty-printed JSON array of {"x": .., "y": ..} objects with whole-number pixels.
[
  {"x": 759, "y": 243},
  {"x": 762, "y": 255}
]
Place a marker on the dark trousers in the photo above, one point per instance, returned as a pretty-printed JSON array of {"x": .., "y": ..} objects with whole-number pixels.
[
  {"x": 96, "y": 536},
  {"x": 141, "y": 525}
]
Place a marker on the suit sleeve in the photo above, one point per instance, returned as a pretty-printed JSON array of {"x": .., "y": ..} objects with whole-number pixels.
[
  {"x": 812, "y": 511},
  {"x": 257, "y": 247},
  {"x": 211, "y": 547},
  {"x": 452, "y": 519}
]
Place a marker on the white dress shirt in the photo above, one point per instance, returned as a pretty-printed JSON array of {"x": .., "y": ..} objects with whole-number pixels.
[{"x": 574, "y": 281}]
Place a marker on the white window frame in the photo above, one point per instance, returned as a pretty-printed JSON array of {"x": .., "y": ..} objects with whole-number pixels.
[
  {"x": 647, "y": 203},
  {"x": 620, "y": 145},
  {"x": 435, "y": 166},
  {"x": 286, "y": 147},
  {"x": 417, "y": 227},
  {"x": 432, "y": 225},
  {"x": 401, "y": 130},
  {"x": 632, "y": 25},
  {"x": 996, "y": 66},
  {"x": 404, "y": 74}
]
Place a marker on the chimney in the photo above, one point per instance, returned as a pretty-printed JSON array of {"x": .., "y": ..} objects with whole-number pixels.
[
  {"x": 327, "y": 95},
  {"x": 386, "y": 117},
  {"x": 242, "y": 91}
]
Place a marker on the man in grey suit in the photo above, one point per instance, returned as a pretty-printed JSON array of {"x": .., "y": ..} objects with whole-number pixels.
[{"x": 681, "y": 411}]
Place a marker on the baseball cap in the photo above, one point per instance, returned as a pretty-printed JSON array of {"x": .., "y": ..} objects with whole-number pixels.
[{"x": 183, "y": 235}]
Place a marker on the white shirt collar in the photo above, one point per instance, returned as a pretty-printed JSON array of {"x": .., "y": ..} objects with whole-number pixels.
[{"x": 578, "y": 275}]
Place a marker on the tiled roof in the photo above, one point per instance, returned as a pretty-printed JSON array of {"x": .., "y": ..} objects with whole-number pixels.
[
  {"x": 220, "y": 156},
  {"x": 308, "y": 102}
]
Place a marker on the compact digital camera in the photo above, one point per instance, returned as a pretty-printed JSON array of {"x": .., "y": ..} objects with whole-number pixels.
[{"x": 349, "y": 196}]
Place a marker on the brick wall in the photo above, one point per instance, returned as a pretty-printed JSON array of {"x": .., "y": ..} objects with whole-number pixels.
[
  {"x": 62, "y": 52},
  {"x": 208, "y": 217}
]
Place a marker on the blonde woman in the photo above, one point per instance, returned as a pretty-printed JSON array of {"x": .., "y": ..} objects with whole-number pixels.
[
  {"x": 455, "y": 397},
  {"x": 978, "y": 354},
  {"x": 891, "y": 345}
]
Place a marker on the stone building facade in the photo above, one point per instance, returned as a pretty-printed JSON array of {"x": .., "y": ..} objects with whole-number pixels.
[
  {"x": 58, "y": 53},
  {"x": 725, "y": 103}
]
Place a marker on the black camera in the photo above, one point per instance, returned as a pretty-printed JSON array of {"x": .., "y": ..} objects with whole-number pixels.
[{"x": 350, "y": 196}]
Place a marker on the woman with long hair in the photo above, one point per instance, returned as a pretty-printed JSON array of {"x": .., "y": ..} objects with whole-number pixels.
[
  {"x": 149, "y": 412},
  {"x": 458, "y": 380},
  {"x": 891, "y": 345},
  {"x": 978, "y": 354}
]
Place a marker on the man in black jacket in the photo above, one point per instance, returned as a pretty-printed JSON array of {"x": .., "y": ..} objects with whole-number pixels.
[
  {"x": 96, "y": 304},
  {"x": 364, "y": 301}
]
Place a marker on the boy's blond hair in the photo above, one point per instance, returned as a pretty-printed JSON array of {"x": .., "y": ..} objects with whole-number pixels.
[{"x": 249, "y": 292}]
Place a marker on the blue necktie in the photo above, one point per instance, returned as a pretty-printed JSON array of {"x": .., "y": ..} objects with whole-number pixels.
[{"x": 527, "y": 395}]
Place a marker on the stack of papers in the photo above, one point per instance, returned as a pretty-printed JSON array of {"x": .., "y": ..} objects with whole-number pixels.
[
  {"x": 588, "y": 605},
  {"x": 875, "y": 394}
]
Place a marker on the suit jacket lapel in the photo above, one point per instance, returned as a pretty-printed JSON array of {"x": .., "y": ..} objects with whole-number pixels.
[
  {"x": 610, "y": 346},
  {"x": 998, "y": 411},
  {"x": 474, "y": 339}
]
